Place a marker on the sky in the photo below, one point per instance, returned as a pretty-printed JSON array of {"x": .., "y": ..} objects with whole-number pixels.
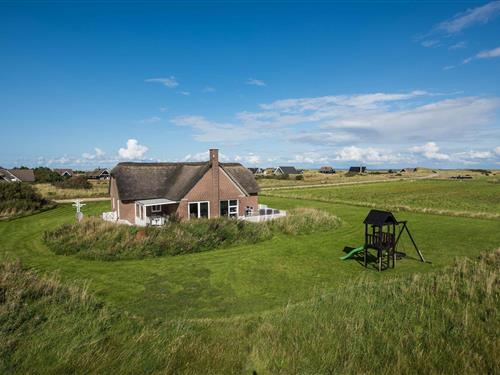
[{"x": 384, "y": 84}]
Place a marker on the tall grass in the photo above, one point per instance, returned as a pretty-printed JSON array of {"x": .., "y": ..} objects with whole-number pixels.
[
  {"x": 444, "y": 323},
  {"x": 94, "y": 238},
  {"x": 98, "y": 189},
  {"x": 19, "y": 199}
]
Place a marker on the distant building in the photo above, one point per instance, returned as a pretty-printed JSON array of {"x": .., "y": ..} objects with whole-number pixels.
[
  {"x": 17, "y": 175},
  {"x": 99, "y": 174},
  {"x": 64, "y": 172},
  {"x": 326, "y": 170},
  {"x": 256, "y": 170},
  {"x": 357, "y": 170},
  {"x": 282, "y": 170}
]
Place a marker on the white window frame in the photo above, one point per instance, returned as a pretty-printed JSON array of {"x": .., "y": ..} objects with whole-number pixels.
[
  {"x": 199, "y": 211},
  {"x": 156, "y": 208},
  {"x": 236, "y": 213}
]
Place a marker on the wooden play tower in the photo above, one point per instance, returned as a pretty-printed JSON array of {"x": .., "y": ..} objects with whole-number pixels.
[{"x": 380, "y": 235}]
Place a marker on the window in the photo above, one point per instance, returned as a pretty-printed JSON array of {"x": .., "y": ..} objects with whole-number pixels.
[
  {"x": 198, "y": 209},
  {"x": 156, "y": 208},
  {"x": 229, "y": 208}
]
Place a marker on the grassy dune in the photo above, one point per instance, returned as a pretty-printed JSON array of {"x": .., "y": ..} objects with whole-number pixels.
[
  {"x": 394, "y": 326},
  {"x": 470, "y": 198},
  {"x": 49, "y": 191}
]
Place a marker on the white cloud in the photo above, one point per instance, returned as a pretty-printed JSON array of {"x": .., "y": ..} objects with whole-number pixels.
[
  {"x": 471, "y": 17},
  {"x": 487, "y": 54},
  {"x": 163, "y": 109},
  {"x": 396, "y": 120},
  {"x": 255, "y": 82},
  {"x": 449, "y": 67},
  {"x": 185, "y": 93},
  {"x": 430, "y": 151},
  {"x": 458, "y": 45},
  {"x": 497, "y": 150},
  {"x": 430, "y": 43},
  {"x": 210, "y": 131},
  {"x": 169, "y": 82},
  {"x": 249, "y": 158},
  {"x": 133, "y": 150},
  {"x": 150, "y": 120},
  {"x": 98, "y": 154},
  {"x": 203, "y": 156},
  {"x": 368, "y": 155},
  {"x": 208, "y": 89},
  {"x": 459, "y": 22}
]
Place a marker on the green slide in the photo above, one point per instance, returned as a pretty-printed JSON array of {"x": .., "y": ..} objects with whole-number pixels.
[{"x": 352, "y": 252}]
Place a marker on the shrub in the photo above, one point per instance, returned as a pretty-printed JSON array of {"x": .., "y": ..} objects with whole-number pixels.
[
  {"x": 299, "y": 177},
  {"x": 19, "y": 198},
  {"x": 44, "y": 174},
  {"x": 76, "y": 182},
  {"x": 94, "y": 238}
]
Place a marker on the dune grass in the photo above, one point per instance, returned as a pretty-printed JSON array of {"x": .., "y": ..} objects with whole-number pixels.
[
  {"x": 96, "y": 239},
  {"x": 98, "y": 189},
  {"x": 469, "y": 198},
  {"x": 443, "y": 322}
]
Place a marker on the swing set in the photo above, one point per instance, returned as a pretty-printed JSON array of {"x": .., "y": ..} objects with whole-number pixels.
[{"x": 380, "y": 235}]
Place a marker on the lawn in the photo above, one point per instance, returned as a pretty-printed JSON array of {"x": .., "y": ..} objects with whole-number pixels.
[
  {"x": 478, "y": 197},
  {"x": 248, "y": 279}
]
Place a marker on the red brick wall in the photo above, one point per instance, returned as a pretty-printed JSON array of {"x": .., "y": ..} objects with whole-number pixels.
[{"x": 202, "y": 191}]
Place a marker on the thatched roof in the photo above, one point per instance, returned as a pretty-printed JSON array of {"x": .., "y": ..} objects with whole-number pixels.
[
  {"x": 172, "y": 181},
  {"x": 24, "y": 175}
]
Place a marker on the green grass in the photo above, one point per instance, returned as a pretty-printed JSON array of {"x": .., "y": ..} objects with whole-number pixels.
[
  {"x": 246, "y": 279},
  {"x": 442, "y": 322},
  {"x": 480, "y": 197},
  {"x": 283, "y": 306}
]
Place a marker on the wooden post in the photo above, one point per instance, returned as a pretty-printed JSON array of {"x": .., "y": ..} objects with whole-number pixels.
[{"x": 414, "y": 244}]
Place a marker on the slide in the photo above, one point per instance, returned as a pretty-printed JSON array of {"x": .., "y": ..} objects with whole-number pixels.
[{"x": 352, "y": 252}]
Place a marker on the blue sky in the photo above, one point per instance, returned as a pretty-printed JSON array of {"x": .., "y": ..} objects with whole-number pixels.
[{"x": 390, "y": 84}]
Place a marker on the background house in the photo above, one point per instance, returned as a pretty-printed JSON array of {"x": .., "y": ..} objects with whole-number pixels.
[
  {"x": 64, "y": 172},
  {"x": 256, "y": 170},
  {"x": 326, "y": 170},
  {"x": 17, "y": 175},
  {"x": 147, "y": 193},
  {"x": 282, "y": 170},
  {"x": 357, "y": 170},
  {"x": 99, "y": 174}
]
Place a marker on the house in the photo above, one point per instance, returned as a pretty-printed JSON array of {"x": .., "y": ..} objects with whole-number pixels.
[
  {"x": 99, "y": 174},
  {"x": 64, "y": 172},
  {"x": 282, "y": 170},
  {"x": 326, "y": 170},
  {"x": 256, "y": 170},
  {"x": 147, "y": 193},
  {"x": 357, "y": 170},
  {"x": 17, "y": 175}
]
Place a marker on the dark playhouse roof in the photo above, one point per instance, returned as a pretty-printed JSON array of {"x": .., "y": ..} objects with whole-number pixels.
[
  {"x": 357, "y": 169},
  {"x": 377, "y": 217},
  {"x": 172, "y": 181}
]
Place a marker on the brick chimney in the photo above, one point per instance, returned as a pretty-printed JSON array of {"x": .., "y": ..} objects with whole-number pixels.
[{"x": 214, "y": 161}]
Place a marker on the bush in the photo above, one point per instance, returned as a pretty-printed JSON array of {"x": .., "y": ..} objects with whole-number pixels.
[
  {"x": 299, "y": 177},
  {"x": 94, "y": 238},
  {"x": 44, "y": 174},
  {"x": 76, "y": 182},
  {"x": 19, "y": 198}
]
